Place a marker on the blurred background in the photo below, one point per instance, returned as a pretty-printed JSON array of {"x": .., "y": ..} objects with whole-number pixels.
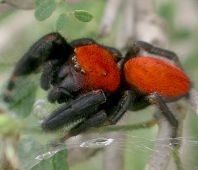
[{"x": 112, "y": 23}]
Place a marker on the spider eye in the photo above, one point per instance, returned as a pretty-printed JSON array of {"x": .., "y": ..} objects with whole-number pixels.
[{"x": 77, "y": 66}]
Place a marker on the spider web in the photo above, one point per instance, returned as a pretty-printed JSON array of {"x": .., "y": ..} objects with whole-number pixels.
[{"x": 135, "y": 148}]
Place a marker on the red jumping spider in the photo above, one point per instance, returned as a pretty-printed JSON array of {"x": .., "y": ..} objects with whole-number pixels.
[{"x": 96, "y": 84}]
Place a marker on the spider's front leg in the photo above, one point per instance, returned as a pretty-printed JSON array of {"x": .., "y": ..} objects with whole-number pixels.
[
  {"x": 79, "y": 109},
  {"x": 103, "y": 117},
  {"x": 50, "y": 50},
  {"x": 86, "y": 109}
]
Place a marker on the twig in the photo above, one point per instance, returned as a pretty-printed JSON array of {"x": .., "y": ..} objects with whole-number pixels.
[
  {"x": 149, "y": 26},
  {"x": 165, "y": 144},
  {"x": 113, "y": 157},
  {"x": 13, "y": 27},
  {"x": 193, "y": 100},
  {"x": 129, "y": 127},
  {"x": 4, "y": 8},
  {"x": 21, "y": 4},
  {"x": 126, "y": 35},
  {"x": 177, "y": 159},
  {"x": 159, "y": 160},
  {"x": 110, "y": 13},
  {"x": 78, "y": 154}
]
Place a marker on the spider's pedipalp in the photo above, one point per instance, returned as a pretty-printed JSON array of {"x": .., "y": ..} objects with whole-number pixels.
[{"x": 48, "y": 48}]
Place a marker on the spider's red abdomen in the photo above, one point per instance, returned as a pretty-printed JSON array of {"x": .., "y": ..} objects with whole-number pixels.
[
  {"x": 150, "y": 75},
  {"x": 101, "y": 71}
]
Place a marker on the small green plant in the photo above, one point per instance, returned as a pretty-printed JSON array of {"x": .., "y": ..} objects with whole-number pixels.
[{"x": 45, "y": 8}]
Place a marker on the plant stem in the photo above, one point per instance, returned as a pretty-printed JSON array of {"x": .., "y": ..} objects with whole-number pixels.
[
  {"x": 177, "y": 159},
  {"x": 142, "y": 125}
]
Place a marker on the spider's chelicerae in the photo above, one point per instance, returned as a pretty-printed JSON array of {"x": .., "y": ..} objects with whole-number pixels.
[{"x": 96, "y": 84}]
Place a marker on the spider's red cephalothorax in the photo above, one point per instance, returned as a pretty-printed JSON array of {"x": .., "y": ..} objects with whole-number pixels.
[
  {"x": 151, "y": 75},
  {"x": 99, "y": 68}
]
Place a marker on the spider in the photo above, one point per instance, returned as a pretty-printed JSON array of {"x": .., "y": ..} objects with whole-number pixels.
[{"x": 97, "y": 85}]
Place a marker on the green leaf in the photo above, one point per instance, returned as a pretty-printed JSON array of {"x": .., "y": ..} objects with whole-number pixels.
[
  {"x": 83, "y": 16},
  {"x": 9, "y": 126},
  {"x": 183, "y": 34},
  {"x": 38, "y": 2},
  {"x": 34, "y": 154},
  {"x": 56, "y": 162},
  {"x": 167, "y": 11},
  {"x": 60, "y": 160},
  {"x": 28, "y": 149},
  {"x": 61, "y": 22},
  {"x": 23, "y": 97},
  {"x": 44, "y": 9}
]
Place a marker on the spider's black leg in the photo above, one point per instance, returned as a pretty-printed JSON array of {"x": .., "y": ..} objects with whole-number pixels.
[
  {"x": 131, "y": 53},
  {"x": 123, "y": 105},
  {"x": 82, "y": 41},
  {"x": 74, "y": 110},
  {"x": 87, "y": 41},
  {"x": 94, "y": 121},
  {"x": 101, "y": 117},
  {"x": 116, "y": 53},
  {"x": 157, "y": 51},
  {"x": 156, "y": 99},
  {"x": 50, "y": 47}
]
